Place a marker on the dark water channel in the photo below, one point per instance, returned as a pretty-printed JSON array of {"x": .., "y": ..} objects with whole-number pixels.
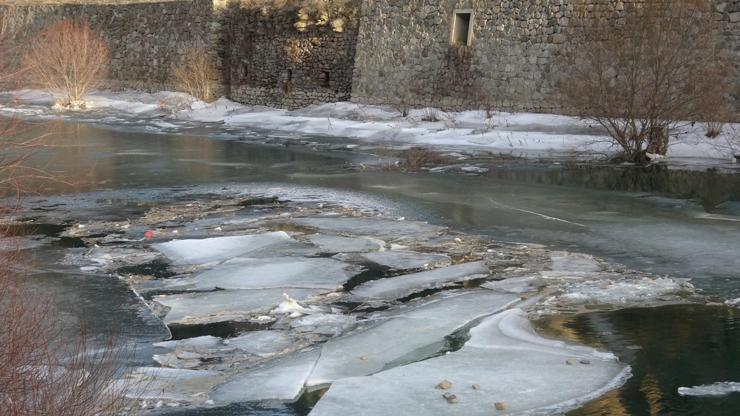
[{"x": 684, "y": 223}]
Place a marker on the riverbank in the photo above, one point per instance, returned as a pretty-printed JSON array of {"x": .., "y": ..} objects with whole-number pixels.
[{"x": 524, "y": 135}]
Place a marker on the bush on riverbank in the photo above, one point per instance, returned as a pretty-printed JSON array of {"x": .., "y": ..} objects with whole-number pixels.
[
  {"x": 67, "y": 58},
  {"x": 645, "y": 72}
]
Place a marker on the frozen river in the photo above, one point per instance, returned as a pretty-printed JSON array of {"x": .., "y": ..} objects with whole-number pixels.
[{"x": 660, "y": 220}]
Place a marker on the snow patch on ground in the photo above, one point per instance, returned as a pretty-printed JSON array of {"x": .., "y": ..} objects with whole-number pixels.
[{"x": 519, "y": 134}]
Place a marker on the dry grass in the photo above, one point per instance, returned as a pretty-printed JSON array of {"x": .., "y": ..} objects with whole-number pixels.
[
  {"x": 67, "y": 58},
  {"x": 196, "y": 75},
  {"x": 413, "y": 160},
  {"x": 642, "y": 77}
]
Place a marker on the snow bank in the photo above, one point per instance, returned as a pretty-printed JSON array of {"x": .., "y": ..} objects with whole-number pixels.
[{"x": 519, "y": 134}]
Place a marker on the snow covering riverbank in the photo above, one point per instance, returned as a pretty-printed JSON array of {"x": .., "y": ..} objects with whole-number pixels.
[{"x": 516, "y": 134}]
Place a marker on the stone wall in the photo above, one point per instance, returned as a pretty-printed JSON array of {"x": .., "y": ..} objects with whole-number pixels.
[
  {"x": 288, "y": 56},
  {"x": 146, "y": 38},
  {"x": 404, "y": 54}
]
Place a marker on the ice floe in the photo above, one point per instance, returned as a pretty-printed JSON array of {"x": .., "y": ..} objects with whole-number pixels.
[
  {"x": 497, "y": 369},
  {"x": 226, "y": 305},
  {"x": 210, "y": 250},
  {"x": 408, "y": 260},
  {"x": 337, "y": 244},
  {"x": 408, "y": 335},
  {"x": 324, "y": 324},
  {"x": 402, "y": 286},
  {"x": 380, "y": 227},
  {"x": 269, "y": 273},
  {"x": 280, "y": 380},
  {"x": 716, "y": 389},
  {"x": 169, "y": 386},
  {"x": 623, "y": 292}
]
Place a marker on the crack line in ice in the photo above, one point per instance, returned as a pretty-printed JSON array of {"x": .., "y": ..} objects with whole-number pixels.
[{"x": 547, "y": 217}]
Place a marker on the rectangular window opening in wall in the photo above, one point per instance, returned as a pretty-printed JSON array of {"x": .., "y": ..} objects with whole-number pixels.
[{"x": 462, "y": 28}]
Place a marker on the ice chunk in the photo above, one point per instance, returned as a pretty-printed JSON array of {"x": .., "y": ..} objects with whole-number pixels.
[
  {"x": 170, "y": 385},
  {"x": 509, "y": 364},
  {"x": 226, "y": 305},
  {"x": 733, "y": 302},
  {"x": 324, "y": 324},
  {"x": 370, "y": 226},
  {"x": 513, "y": 285},
  {"x": 715, "y": 389},
  {"x": 280, "y": 380},
  {"x": 262, "y": 343},
  {"x": 199, "y": 343},
  {"x": 269, "y": 273},
  {"x": 408, "y": 260},
  {"x": 402, "y": 286},
  {"x": 571, "y": 265},
  {"x": 414, "y": 334},
  {"x": 335, "y": 244},
  {"x": 209, "y": 250},
  {"x": 622, "y": 292}
]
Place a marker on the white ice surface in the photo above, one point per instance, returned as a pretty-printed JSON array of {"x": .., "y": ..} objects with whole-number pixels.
[
  {"x": 408, "y": 260},
  {"x": 218, "y": 249},
  {"x": 270, "y": 273},
  {"x": 402, "y": 286},
  {"x": 623, "y": 292},
  {"x": 279, "y": 380},
  {"x": 170, "y": 385},
  {"x": 370, "y": 226},
  {"x": 336, "y": 244},
  {"x": 521, "y": 134},
  {"x": 262, "y": 343},
  {"x": 324, "y": 324},
  {"x": 716, "y": 389},
  {"x": 510, "y": 363},
  {"x": 411, "y": 334},
  {"x": 225, "y": 305},
  {"x": 513, "y": 285}
]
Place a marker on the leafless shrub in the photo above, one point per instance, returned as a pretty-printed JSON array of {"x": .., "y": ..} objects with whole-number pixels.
[
  {"x": 196, "y": 74},
  {"x": 68, "y": 58},
  {"x": 713, "y": 129},
  {"x": 412, "y": 160},
  {"x": 431, "y": 115},
  {"x": 41, "y": 372},
  {"x": 643, "y": 74}
]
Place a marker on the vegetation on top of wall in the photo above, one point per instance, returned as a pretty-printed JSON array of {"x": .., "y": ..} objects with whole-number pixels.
[{"x": 303, "y": 14}]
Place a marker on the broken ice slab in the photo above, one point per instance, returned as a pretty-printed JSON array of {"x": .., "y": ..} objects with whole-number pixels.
[
  {"x": 336, "y": 244},
  {"x": 507, "y": 362},
  {"x": 408, "y": 260},
  {"x": 402, "y": 286},
  {"x": 260, "y": 343},
  {"x": 410, "y": 334},
  {"x": 267, "y": 273},
  {"x": 516, "y": 285},
  {"x": 280, "y": 380},
  {"x": 210, "y": 250},
  {"x": 324, "y": 324},
  {"x": 380, "y": 227},
  {"x": 627, "y": 291},
  {"x": 225, "y": 305},
  {"x": 571, "y": 265},
  {"x": 171, "y": 386}
]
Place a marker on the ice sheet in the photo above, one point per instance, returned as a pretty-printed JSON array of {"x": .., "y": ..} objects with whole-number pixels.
[
  {"x": 522, "y": 374},
  {"x": 380, "y": 227},
  {"x": 402, "y": 286},
  {"x": 408, "y": 260},
  {"x": 209, "y": 250},
  {"x": 280, "y": 380},
  {"x": 219, "y": 306},
  {"x": 408, "y": 335},
  {"x": 716, "y": 389},
  {"x": 336, "y": 244}
]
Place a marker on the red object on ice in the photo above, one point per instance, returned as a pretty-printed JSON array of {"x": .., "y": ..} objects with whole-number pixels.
[{"x": 149, "y": 234}]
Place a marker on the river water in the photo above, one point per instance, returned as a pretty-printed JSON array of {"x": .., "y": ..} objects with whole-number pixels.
[{"x": 657, "y": 219}]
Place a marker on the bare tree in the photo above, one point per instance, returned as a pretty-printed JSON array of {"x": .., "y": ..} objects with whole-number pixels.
[
  {"x": 196, "y": 74},
  {"x": 68, "y": 58},
  {"x": 41, "y": 371},
  {"x": 645, "y": 72}
]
